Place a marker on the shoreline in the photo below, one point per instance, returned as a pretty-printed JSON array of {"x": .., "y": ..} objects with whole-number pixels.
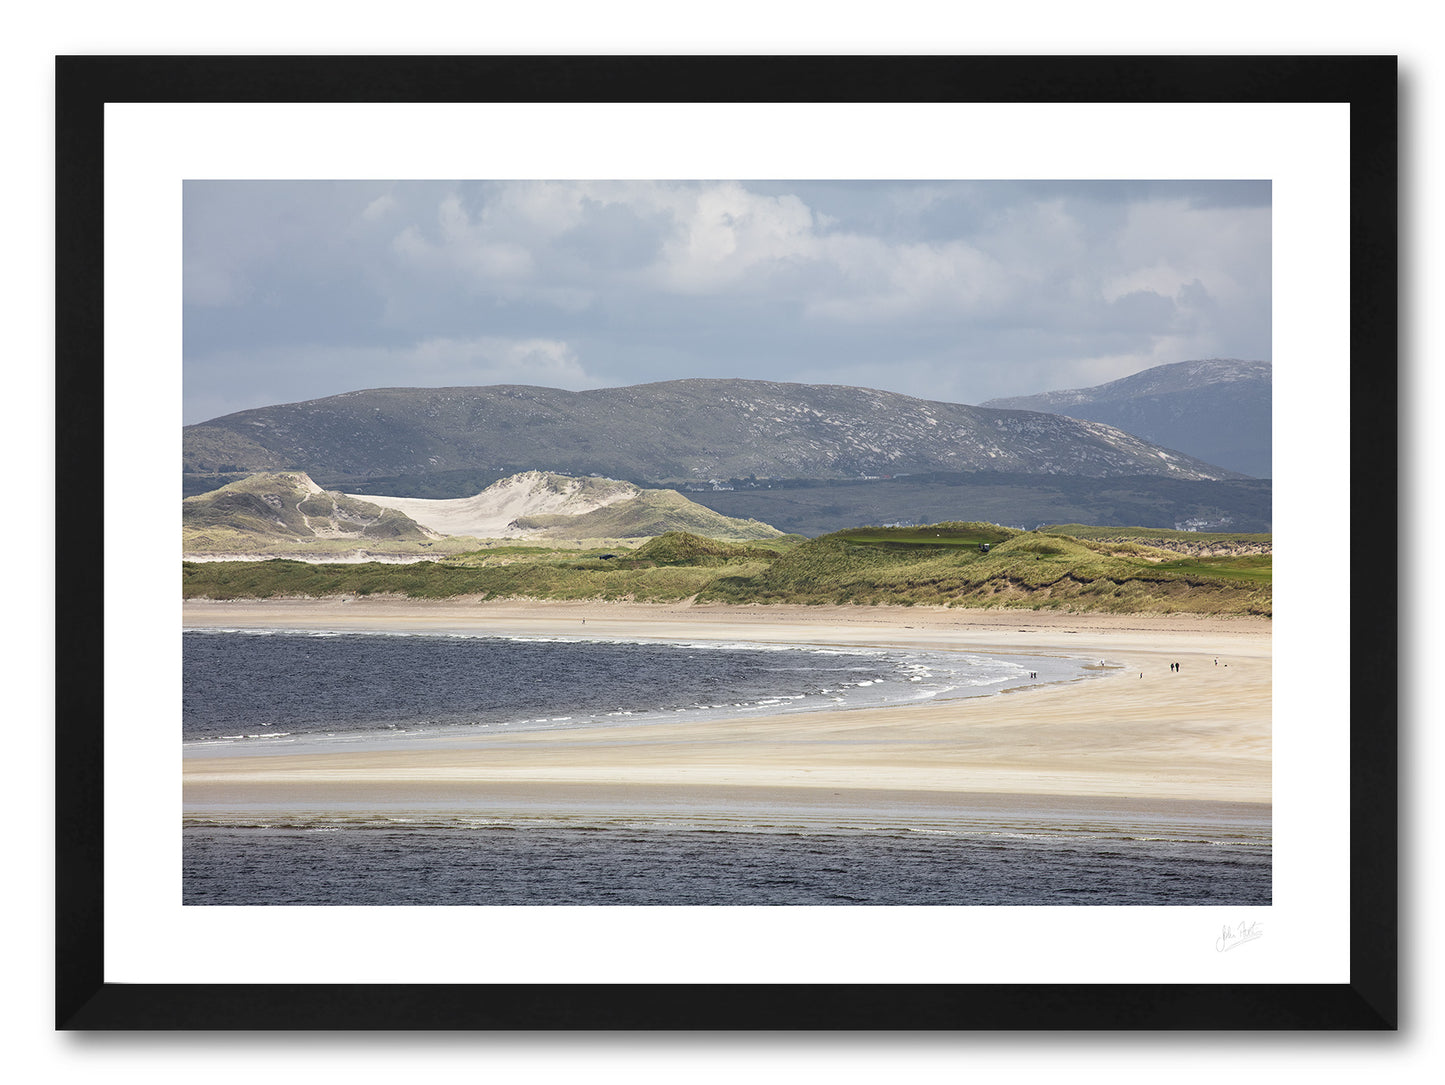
[
  {"x": 833, "y": 623},
  {"x": 1198, "y": 737}
]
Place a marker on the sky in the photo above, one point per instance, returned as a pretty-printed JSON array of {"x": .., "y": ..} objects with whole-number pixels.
[{"x": 960, "y": 291}]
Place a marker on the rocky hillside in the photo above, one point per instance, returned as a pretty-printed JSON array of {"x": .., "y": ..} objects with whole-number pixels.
[
  {"x": 672, "y": 432},
  {"x": 1218, "y": 409}
]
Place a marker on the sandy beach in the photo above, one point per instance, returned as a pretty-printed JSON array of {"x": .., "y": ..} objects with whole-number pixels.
[{"x": 1135, "y": 740}]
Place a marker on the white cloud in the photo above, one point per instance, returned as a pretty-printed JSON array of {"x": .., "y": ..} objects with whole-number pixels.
[
  {"x": 1165, "y": 245},
  {"x": 465, "y": 245},
  {"x": 963, "y": 291},
  {"x": 725, "y": 237},
  {"x": 379, "y": 207},
  {"x": 727, "y": 240},
  {"x": 1031, "y": 262},
  {"x": 544, "y": 208},
  {"x": 490, "y": 360},
  {"x": 875, "y": 281},
  {"x": 1158, "y": 278}
]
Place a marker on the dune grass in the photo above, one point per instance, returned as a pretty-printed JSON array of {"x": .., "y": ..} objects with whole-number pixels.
[
  {"x": 1158, "y": 534},
  {"x": 566, "y": 578},
  {"x": 1024, "y": 570},
  {"x": 650, "y": 513},
  {"x": 904, "y": 566}
]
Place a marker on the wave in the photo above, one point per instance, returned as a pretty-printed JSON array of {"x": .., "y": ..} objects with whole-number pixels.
[
  {"x": 982, "y": 830},
  {"x": 324, "y": 685}
]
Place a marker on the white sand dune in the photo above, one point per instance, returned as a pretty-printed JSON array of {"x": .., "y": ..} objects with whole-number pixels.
[{"x": 491, "y": 513}]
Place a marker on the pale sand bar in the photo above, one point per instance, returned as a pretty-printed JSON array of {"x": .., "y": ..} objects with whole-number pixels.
[{"x": 1187, "y": 745}]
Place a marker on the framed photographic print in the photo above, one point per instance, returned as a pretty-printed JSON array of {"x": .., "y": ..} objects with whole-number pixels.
[{"x": 724, "y": 543}]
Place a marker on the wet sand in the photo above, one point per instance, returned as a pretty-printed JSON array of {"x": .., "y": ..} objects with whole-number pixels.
[{"x": 1164, "y": 745}]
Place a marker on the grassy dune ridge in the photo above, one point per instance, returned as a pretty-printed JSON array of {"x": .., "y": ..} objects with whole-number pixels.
[
  {"x": 1028, "y": 570},
  {"x": 650, "y": 513},
  {"x": 288, "y": 509},
  {"x": 937, "y": 565}
]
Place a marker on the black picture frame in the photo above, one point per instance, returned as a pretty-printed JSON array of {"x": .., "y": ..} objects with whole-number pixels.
[{"x": 84, "y": 998}]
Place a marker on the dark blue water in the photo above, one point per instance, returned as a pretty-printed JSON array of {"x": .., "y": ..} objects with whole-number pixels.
[
  {"x": 277, "y": 688},
  {"x": 558, "y": 864}
]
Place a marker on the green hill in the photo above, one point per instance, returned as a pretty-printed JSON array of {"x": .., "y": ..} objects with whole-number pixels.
[
  {"x": 682, "y": 548},
  {"x": 650, "y": 513},
  {"x": 1030, "y": 570}
]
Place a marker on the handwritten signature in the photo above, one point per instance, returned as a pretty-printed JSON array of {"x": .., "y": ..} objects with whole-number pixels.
[{"x": 1234, "y": 937}]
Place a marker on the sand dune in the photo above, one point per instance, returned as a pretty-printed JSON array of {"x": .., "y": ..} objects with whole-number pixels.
[{"x": 489, "y": 514}]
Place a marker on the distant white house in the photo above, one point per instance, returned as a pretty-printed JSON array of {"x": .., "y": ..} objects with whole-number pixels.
[{"x": 1221, "y": 524}]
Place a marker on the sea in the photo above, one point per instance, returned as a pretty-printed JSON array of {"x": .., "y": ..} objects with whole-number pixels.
[{"x": 278, "y": 692}]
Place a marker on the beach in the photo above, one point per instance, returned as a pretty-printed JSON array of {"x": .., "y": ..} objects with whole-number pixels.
[{"x": 1137, "y": 741}]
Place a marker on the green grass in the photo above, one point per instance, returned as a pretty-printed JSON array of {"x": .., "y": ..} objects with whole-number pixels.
[
  {"x": 499, "y": 553},
  {"x": 223, "y": 540},
  {"x": 318, "y": 505},
  {"x": 684, "y": 548},
  {"x": 563, "y": 575},
  {"x": 1257, "y": 568},
  {"x": 651, "y": 513},
  {"x": 1155, "y": 536},
  {"x": 900, "y": 566},
  {"x": 945, "y": 536},
  {"x": 1025, "y": 570}
]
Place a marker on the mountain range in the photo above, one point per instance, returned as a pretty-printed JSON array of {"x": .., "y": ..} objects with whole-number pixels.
[
  {"x": 1174, "y": 446},
  {"x": 1217, "y": 409},
  {"x": 668, "y": 433}
]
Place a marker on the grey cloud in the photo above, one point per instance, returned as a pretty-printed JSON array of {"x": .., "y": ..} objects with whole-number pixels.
[{"x": 960, "y": 291}]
